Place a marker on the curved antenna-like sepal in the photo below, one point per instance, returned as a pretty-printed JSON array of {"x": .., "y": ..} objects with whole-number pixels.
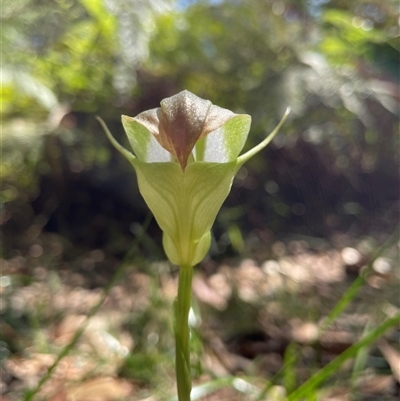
[
  {"x": 113, "y": 141},
  {"x": 248, "y": 155}
]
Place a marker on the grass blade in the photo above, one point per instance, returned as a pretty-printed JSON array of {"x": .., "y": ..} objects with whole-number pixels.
[
  {"x": 65, "y": 351},
  {"x": 311, "y": 384},
  {"x": 352, "y": 291}
]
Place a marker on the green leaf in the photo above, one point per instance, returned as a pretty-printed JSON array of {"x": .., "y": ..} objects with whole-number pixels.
[{"x": 106, "y": 20}]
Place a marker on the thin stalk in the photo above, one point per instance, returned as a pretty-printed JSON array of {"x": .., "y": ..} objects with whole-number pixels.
[
  {"x": 248, "y": 155},
  {"x": 182, "y": 333}
]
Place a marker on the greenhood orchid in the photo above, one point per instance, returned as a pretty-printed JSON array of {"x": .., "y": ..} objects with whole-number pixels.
[{"x": 186, "y": 154}]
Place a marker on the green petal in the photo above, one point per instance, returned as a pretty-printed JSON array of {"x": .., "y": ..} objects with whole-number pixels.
[
  {"x": 225, "y": 144},
  {"x": 185, "y": 204},
  {"x": 143, "y": 142},
  {"x": 199, "y": 250}
]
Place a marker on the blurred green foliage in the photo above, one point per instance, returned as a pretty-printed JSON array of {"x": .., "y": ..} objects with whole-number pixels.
[
  {"x": 332, "y": 170},
  {"x": 334, "y": 62}
]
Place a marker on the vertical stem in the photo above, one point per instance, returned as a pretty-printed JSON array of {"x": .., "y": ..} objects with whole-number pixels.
[{"x": 182, "y": 333}]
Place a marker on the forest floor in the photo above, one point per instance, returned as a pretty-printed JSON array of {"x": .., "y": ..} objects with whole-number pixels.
[{"x": 251, "y": 318}]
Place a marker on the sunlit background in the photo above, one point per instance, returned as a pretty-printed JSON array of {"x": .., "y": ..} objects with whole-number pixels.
[{"x": 327, "y": 185}]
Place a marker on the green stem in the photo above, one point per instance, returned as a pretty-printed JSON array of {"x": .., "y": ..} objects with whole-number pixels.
[{"x": 182, "y": 333}]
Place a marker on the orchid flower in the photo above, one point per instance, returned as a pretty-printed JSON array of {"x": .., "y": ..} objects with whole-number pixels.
[{"x": 186, "y": 154}]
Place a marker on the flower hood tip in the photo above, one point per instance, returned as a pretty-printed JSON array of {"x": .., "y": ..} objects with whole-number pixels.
[{"x": 181, "y": 121}]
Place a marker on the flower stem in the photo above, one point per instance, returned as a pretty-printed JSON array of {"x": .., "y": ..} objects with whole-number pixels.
[{"x": 182, "y": 334}]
